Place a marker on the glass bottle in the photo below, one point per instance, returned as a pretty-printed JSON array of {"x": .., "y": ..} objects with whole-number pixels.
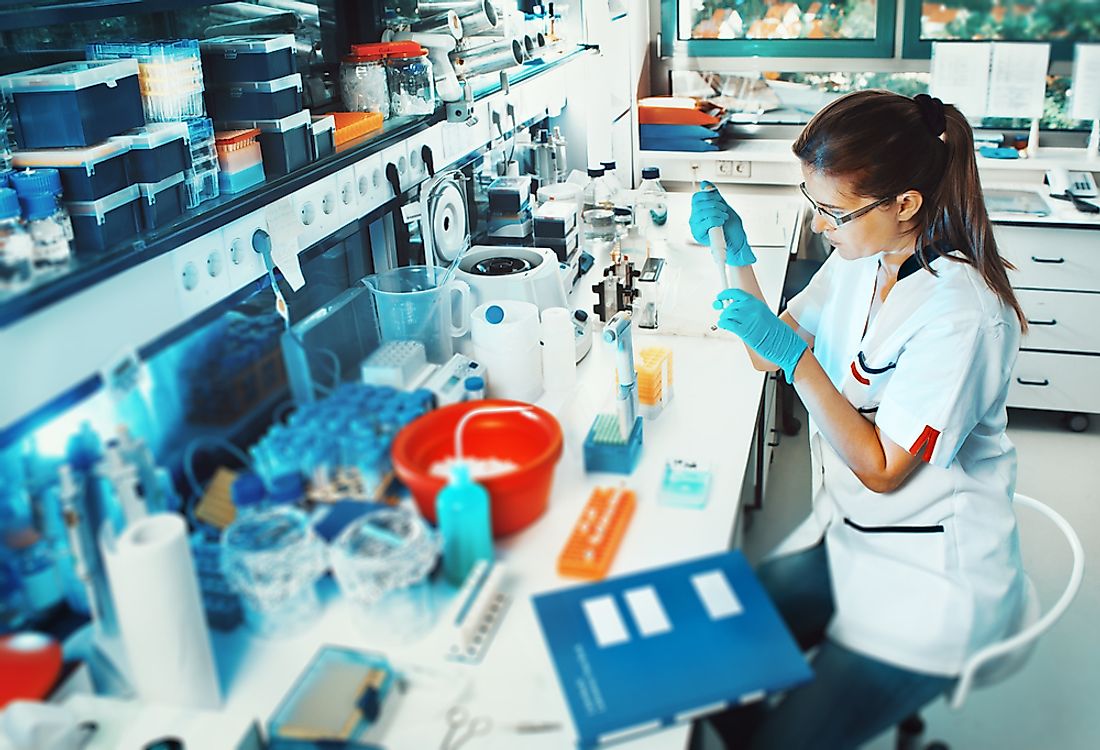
[
  {"x": 50, "y": 227},
  {"x": 16, "y": 245},
  {"x": 652, "y": 202},
  {"x": 613, "y": 182}
]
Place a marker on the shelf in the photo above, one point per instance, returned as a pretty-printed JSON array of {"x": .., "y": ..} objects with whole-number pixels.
[
  {"x": 20, "y": 14},
  {"x": 85, "y": 272}
]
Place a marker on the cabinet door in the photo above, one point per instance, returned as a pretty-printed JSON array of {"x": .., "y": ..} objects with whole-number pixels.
[
  {"x": 1051, "y": 257},
  {"x": 1059, "y": 382},
  {"x": 1061, "y": 321}
]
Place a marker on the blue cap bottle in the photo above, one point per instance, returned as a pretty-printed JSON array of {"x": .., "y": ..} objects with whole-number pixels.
[{"x": 462, "y": 511}]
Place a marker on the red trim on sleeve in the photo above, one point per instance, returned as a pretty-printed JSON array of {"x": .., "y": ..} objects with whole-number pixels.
[
  {"x": 925, "y": 444},
  {"x": 857, "y": 376}
]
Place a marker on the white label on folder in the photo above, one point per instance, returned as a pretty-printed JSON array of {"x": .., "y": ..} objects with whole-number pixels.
[
  {"x": 717, "y": 594},
  {"x": 607, "y": 624},
  {"x": 647, "y": 611}
]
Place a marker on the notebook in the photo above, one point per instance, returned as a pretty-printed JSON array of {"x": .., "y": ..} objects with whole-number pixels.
[{"x": 636, "y": 653}]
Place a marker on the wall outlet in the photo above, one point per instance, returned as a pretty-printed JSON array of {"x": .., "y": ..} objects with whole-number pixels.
[
  {"x": 734, "y": 169},
  {"x": 201, "y": 273}
]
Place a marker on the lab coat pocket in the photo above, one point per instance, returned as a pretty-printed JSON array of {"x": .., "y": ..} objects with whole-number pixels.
[{"x": 895, "y": 597}]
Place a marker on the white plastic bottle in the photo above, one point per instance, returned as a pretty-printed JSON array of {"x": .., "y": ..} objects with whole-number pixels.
[{"x": 559, "y": 352}]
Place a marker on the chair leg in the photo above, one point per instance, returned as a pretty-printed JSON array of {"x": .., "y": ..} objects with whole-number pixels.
[{"x": 909, "y": 733}]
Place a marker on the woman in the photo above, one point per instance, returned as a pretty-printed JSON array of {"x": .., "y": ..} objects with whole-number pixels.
[{"x": 901, "y": 348}]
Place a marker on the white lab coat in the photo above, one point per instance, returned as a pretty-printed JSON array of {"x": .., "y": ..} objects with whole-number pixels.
[{"x": 928, "y": 574}]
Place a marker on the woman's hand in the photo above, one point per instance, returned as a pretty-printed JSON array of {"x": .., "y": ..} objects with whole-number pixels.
[
  {"x": 708, "y": 210},
  {"x": 760, "y": 329}
]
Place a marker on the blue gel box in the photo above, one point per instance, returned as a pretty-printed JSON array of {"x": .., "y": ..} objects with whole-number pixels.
[
  {"x": 100, "y": 225},
  {"x": 605, "y": 450},
  {"x": 284, "y": 144},
  {"x": 259, "y": 100},
  {"x": 235, "y": 182},
  {"x": 226, "y": 59},
  {"x": 87, "y": 174},
  {"x": 74, "y": 103},
  {"x": 163, "y": 202},
  {"x": 157, "y": 151},
  {"x": 333, "y": 703}
]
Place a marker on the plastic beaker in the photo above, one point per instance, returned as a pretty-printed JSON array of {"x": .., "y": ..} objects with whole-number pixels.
[{"x": 413, "y": 306}]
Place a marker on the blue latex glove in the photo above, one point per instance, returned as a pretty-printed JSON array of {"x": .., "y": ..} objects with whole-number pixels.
[
  {"x": 709, "y": 209},
  {"x": 761, "y": 329}
]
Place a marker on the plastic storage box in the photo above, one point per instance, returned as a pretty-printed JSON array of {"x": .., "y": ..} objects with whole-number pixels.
[
  {"x": 258, "y": 100},
  {"x": 170, "y": 75},
  {"x": 352, "y": 125},
  {"x": 323, "y": 140},
  {"x": 285, "y": 143},
  {"x": 102, "y": 224},
  {"x": 235, "y": 182},
  {"x": 87, "y": 174},
  {"x": 157, "y": 151},
  {"x": 202, "y": 184},
  {"x": 163, "y": 202},
  {"x": 227, "y": 59},
  {"x": 74, "y": 103}
]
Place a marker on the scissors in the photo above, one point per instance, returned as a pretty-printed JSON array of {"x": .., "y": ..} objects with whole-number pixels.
[{"x": 461, "y": 727}]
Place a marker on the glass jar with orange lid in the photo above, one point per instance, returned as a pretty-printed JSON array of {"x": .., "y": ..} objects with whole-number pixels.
[
  {"x": 411, "y": 80},
  {"x": 363, "y": 84}
]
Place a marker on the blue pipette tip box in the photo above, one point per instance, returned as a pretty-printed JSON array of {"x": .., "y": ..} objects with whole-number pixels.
[{"x": 606, "y": 451}]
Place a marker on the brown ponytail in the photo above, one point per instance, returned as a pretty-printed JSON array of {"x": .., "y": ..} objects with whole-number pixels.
[{"x": 884, "y": 143}]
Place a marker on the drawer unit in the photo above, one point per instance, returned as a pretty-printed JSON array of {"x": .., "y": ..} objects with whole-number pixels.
[
  {"x": 1061, "y": 321},
  {"x": 1059, "y": 382},
  {"x": 1051, "y": 257}
]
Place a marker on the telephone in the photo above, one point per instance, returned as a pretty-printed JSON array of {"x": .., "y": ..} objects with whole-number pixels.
[{"x": 1073, "y": 186}]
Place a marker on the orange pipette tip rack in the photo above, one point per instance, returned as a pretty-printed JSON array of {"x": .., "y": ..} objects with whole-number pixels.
[
  {"x": 591, "y": 547},
  {"x": 352, "y": 125}
]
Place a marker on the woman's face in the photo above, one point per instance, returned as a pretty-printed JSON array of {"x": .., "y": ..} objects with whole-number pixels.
[{"x": 882, "y": 229}]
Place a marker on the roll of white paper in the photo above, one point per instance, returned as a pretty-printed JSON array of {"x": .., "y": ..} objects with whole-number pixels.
[
  {"x": 160, "y": 613},
  {"x": 559, "y": 352}
]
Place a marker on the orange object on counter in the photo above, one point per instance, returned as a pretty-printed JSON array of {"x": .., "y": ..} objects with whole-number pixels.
[
  {"x": 237, "y": 149},
  {"x": 591, "y": 547},
  {"x": 531, "y": 440},
  {"x": 352, "y": 125},
  {"x": 648, "y": 115}
]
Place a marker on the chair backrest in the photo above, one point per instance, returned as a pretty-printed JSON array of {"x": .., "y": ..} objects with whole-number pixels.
[{"x": 997, "y": 661}]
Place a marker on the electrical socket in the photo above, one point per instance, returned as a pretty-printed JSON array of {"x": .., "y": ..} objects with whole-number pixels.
[
  {"x": 201, "y": 275},
  {"x": 734, "y": 168},
  {"x": 245, "y": 264}
]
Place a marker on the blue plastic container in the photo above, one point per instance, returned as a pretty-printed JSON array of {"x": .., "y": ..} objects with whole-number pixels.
[
  {"x": 228, "y": 59},
  {"x": 462, "y": 511},
  {"x": 261, "y": 100},
  {"x": 87, "y": 174},
  {"x": 74, "y": 103},
  {"x": 163, "y": 202},
  {"x": 157, "y": 151},
  {"x": 100, "y": 225},
  {"x": 606, "y": 451},
  {"x": 235, "y": 182},
  {"x": 284, "y": 144}
]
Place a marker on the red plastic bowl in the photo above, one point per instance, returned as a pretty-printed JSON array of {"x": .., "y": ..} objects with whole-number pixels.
[{"x": 532, "y": 440}]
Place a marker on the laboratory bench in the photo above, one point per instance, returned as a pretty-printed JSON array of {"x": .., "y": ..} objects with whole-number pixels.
[{"x": 713, "y": 418}]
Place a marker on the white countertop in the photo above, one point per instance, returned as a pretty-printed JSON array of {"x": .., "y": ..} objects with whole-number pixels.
[{"x": 711, "y": 418}]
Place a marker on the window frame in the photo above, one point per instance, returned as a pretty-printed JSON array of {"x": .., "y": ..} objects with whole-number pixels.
[
  {"x": 914, "y": 47},
  {"x": 881, "y": 46}
]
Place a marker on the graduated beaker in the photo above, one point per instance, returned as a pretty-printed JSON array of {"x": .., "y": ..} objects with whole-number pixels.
[{"x": 413, "y": 306}]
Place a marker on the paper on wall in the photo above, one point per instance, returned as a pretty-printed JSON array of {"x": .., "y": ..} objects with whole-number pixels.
[
  {"x": 1017, "y": 79},
  {"x": 1086, "y": 82},
  {"x": 960, "y": 75},
  {"x": 282, "y": 225}
]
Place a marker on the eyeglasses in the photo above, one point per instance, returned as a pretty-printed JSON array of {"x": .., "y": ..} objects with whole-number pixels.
[{"x": 838, "y": 221}]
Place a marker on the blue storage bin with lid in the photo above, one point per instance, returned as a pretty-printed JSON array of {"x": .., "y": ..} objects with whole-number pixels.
[
  {"x": 163, "y": 202},
  {"x": 284, "y": 144},
  {"x": 255, "y": 100},
  {"x": 264, "y": 57},
  {"x": 324, "y": 136},
  {"x": 87, "y": 174},
  {"x": 74, "y": 103},
  {"x": 102, "y": 224},
  {"x": 157, "y": 151}
]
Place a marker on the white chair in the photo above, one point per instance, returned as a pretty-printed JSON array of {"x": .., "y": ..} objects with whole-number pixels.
[{"x": 1002, "y": 659}]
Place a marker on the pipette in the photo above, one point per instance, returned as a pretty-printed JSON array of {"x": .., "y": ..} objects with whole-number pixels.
[{"x": 717, "y": 239}]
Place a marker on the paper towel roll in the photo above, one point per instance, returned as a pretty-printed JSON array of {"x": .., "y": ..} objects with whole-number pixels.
[{"x": 160, "y": 613}]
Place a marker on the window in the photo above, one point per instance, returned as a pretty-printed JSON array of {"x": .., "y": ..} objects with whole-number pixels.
[
  {"x": 798, "y": 28},
  {"x": 1061, "y": 22}
]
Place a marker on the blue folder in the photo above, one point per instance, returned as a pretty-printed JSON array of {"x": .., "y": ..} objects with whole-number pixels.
[
  {"x": 640, "y": 652},
  {"x": 676, "y": 144},
  {"x": 697, "y": 132}
]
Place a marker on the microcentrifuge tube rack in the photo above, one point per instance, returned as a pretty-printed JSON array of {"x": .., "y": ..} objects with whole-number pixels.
[{"x": 397, "y": 364}]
